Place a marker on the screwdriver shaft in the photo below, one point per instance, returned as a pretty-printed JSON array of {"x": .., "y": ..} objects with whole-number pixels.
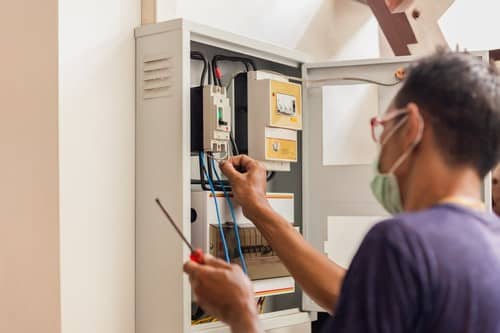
[{"x": 174, "y": 225}]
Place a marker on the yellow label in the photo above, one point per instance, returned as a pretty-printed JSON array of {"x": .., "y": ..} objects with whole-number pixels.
[
  {"x": 280, "y": 149},
  {"x": 278, "y": 119}
]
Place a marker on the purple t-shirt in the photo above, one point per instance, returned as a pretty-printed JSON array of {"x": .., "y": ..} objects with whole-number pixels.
[{"x": 433, "y": 271}]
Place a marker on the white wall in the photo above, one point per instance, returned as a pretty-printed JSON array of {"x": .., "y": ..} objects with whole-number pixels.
[
  {"x": 472, "y": 24},
  {"x": 96, "y": 130},
  {"x": 325, "y": 29},
  {"x": 330, "y": 29},
  {"x": 29, "y": 187}
]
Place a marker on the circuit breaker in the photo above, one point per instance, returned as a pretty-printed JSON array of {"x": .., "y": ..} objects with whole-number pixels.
[
  {"x": 278, "y": 101},
  {"x": 261, "y": 260},
  {"x": 210, "y": 120},
  {"x": 265, "y": 269},
  {"x": 268, "y": 111},
  {"x": 216, "y": 120}
]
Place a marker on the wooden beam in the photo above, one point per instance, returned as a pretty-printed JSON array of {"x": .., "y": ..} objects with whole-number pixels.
[
  {"x": 495, "y": 55},
  {"x": 410, "y": 26},
  {"x": 395, "y": 27},
  {"x": 148, "y": 11}
]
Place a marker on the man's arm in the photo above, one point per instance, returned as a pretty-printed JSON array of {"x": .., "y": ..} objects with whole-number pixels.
[{"x": 319, "y": 277}]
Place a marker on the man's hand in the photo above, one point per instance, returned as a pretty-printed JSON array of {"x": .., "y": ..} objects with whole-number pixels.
[
  {"x": 248, "y": 181},
  {"x": 223, "y": 290}
]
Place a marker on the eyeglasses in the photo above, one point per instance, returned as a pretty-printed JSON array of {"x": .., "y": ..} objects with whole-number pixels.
[{"x": 378, "y": 125}]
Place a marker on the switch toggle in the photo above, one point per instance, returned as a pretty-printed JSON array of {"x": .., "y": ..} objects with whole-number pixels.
[{"x": 286, "y": 104}]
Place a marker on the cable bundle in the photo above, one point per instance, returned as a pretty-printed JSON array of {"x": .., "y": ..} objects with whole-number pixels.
[{"x": 217, "y": 210}]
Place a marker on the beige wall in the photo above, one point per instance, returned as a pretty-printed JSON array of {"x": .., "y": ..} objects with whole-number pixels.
[{"x": 29, "y": 215}]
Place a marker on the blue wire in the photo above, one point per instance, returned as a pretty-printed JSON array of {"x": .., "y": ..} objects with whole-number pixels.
[
  {"x": 212, "y": 189},
  {"x": 233, "y": 215}
]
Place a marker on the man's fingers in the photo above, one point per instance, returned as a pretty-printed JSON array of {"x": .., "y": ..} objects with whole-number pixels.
[
  {"x": 194, "y": 269},
  {"x": 214, "y": 262},
  {"x": 191, "y": 267},
  {"x": 243, "y": 162},
  {"x": 229, "y": 171}
]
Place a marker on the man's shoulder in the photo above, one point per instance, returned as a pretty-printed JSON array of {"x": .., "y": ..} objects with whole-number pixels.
[
  {"x": 437, "y": 234},
  {"x": 428, "y": 222},
  {"x": 408, "y": 235},
  {"x": 391, "y": 231}
]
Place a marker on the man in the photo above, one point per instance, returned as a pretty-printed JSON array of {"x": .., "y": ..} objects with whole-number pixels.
[
  {"x": 496, "y": 190},
  {"x": 434, "y": 266}
]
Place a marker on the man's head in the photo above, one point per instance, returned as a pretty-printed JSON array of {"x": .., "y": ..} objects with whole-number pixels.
[{"x": 457, "y": 99}]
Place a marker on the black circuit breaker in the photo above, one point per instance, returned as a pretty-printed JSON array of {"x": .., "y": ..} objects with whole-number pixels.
[
  {"x": 241, "y": 112},
  {"x": 196, "y": 119}
]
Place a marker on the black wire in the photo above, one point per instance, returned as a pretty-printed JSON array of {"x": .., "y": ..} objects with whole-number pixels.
[
  {"x": 219, "y": 186},
  {"x": 233, "y": 143},
  {"x": 210, "y": 172},
  {"x": 270, "y": 176},
  {"x": 252, "y": 63},
  {"x": 203, "y": 183},
  {"x": 214, "y": 72},
  {"x": 209, "y": 74},
  {"x": 199, "y": 56},
  {"x": 223, "y": 184},
  {"x": 247, "y": 62},
  {"x": 198, "y": 313}
]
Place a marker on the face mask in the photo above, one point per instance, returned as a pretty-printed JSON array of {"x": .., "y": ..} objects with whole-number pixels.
[{"x": 385, "y": 186}]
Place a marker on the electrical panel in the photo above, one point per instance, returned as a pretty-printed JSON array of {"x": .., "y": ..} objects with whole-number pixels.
[
  {"x": 214, "y": 229},
  {"x": 268, "y": 109}
]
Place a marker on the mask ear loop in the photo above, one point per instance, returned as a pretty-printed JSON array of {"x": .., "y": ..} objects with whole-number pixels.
[
  {"x": 391, "y": 133},
  {"x": 417, "y": 140}
]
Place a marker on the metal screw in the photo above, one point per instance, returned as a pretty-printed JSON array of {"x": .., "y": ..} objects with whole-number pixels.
[{"x": 415, "y": 13}]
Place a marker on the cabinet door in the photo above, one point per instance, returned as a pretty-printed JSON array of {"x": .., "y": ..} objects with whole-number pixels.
[{"x": 338, "y": 152}]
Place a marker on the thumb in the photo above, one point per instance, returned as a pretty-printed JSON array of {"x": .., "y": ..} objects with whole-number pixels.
[{"x": 229, "y": 171}]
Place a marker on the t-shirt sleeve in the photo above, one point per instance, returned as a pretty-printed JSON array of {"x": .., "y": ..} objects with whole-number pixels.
[{"x": 380, "y": 292}]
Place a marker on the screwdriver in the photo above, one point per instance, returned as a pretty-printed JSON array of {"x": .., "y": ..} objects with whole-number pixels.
[{"x": 196, "y": 254}]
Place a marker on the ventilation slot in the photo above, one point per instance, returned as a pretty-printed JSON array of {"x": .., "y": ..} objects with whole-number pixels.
[{"x": 157, "y": 77}]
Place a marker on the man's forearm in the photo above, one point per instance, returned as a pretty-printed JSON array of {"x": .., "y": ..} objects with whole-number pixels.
[{"x": 318, "y": 276}]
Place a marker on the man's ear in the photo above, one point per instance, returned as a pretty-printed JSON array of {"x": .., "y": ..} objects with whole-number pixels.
[{"x": 414, "y": 127}]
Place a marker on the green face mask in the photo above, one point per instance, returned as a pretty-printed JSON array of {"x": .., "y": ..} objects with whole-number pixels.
[{"x": 385, "y": 186}]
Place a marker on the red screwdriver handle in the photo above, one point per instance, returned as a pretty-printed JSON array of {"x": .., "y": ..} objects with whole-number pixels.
[{"x": 197, "y": 256}]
